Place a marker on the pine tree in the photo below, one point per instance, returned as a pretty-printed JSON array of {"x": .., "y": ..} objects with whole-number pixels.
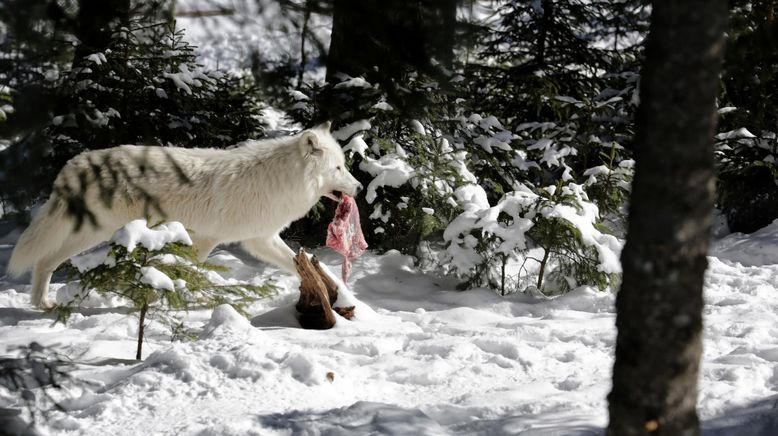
[
  {"x": 152, "y": 280},
  {"x": 747, "y": 175},
  {"x": 144, "y": 87}
]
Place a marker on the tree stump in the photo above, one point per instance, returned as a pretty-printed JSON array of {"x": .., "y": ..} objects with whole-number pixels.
[{"x": 318, "y": 292}]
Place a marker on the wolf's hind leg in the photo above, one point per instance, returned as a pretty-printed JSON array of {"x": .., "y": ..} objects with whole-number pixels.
[
  {"x": 41, "y": 276},
  {"x": 44, "y": 268}
]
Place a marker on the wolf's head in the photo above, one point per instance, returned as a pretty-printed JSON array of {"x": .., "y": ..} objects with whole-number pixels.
[{"x": 328, "y": 163}]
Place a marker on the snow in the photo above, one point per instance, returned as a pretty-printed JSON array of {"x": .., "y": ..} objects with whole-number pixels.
[
  {"x": 185, "y": 79},
  {"x": 597, "y": 171},
  {"x": 568, "y": 99},
  {"x": 487, "y": 123},
  {"x": 419, "y": 358},
  {"x": 102, "y": 119},
  {"x": 97, "y": 58},
  {"x": 471, "y": 197},
  {"x": 5, "y": 110},
  {"x": 389, "y": 170},
  {"x": 138, "y": 233},
  {"x": 756, "y": 249},
  {"x": 417, "y": 127},
  {"x": 608, "y": 246},
  {"x": 382, "y": 106},
  {"x": 230, "y": 41},
  {"x": 735, "y": 134},
  {"x": 499, "y": 141},
  {"x": 156, "y": 278},
  {"x": 354, "y": 82},
  {"x": 462, "y": 251},
  {"x": 356, "y": 145},
  {"x": 89, "y": 260},
  {"x": 299, "y": 96},
  {"x": 350, "y": 130},
  {"x": 379, "y": 215},
  {"x": 225, "y": 319}
]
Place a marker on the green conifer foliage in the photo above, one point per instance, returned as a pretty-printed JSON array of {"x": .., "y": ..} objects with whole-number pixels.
[
  {"x": 747, "y": 148},
  {"x": 124, "y": 274},
  {"x": 145, "y": 87}
]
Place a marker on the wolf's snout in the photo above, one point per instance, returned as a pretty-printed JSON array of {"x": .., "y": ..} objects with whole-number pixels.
[{"x": 359, "y": 188}]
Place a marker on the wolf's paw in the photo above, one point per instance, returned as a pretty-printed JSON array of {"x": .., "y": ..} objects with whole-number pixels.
[{"x": 46, "y": 304}]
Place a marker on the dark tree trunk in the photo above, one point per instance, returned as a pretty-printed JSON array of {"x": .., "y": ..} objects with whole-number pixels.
[
  {"x": 764, "y": 10},
  {"x": 660, "y": 303},
  {"x": 95, "y": 22},
  {"x": 303, "y": 37},
  {"x": 392, "y": 35},
  {"x": 383, "y": 40},
  {"x": 546, "y": 22},
  {"x": 141, "y": 328}
]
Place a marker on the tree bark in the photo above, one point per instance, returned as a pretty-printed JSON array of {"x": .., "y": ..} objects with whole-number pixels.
[
  {"x": 303, "y": 36},
  {"x": 141, "y": 327},
  {"x": 546, "y": 22},
  {"x": 383, "y": 41},
  {"x": 660, "y": 303},
  {"x": 329, "y": 284},
  {"x": 314, "y": 304},
  {"x": 391, "y": 35},
  {"x": 542, "y": 269},
  {"x": 318, "y": 292},
  {"x": 764, "y": 10},
  {"x": 95, "y": 23}
]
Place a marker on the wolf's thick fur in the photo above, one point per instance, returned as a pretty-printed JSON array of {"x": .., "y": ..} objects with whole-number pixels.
[{"x": 248, "y": 194}]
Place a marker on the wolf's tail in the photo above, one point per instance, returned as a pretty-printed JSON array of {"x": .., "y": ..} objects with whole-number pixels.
[{"x": 46, "y": 233}]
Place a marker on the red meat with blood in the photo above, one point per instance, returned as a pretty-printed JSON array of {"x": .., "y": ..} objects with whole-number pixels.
[{"x": 344, "y": 234}]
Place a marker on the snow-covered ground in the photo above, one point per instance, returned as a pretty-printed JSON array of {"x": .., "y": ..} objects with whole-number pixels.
[
  {"x": 419, "y": 359},
  {"x": 250, "y": 31}
]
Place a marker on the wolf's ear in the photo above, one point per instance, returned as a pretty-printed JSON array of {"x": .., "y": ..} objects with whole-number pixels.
[
  {"x": 325, "y": 126},
  {"x": 309, "y": 143}
]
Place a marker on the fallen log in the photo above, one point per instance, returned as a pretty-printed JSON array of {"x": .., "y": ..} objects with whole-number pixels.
[
  {"x": 317, "y": 294},
  {"x": 332, "y": 287}
]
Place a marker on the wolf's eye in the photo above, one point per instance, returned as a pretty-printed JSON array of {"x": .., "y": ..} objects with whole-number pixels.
[{"x": 338, "y": 168}]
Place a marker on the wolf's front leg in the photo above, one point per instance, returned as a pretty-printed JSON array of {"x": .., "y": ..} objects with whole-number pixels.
[
  {"x": 203, "y": 246},
  {"x": 273, "y": 250}
]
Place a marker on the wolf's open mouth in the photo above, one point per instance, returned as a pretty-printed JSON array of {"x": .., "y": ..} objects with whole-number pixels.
[{"x": 336, "y": 195}]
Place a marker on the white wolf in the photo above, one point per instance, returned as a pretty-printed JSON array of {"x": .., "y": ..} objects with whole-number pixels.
[{"x": 248, "y": 194}]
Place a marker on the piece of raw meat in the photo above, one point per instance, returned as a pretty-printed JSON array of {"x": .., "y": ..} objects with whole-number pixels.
[{"x": 344, "y": 234}]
